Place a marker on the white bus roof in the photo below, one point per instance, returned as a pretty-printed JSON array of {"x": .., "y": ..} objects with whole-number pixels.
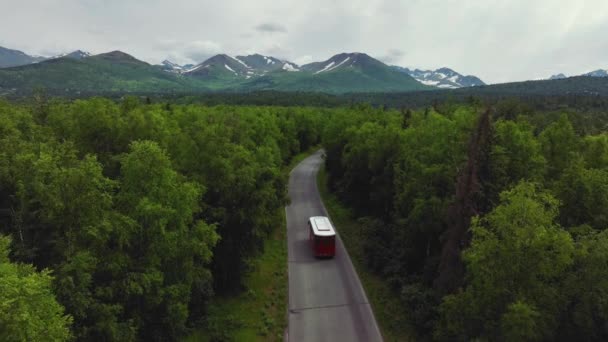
[{"x": 321, "y": 226}]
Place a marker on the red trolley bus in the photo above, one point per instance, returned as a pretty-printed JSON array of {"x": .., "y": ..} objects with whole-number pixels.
[{"x": 322, "y": 236}]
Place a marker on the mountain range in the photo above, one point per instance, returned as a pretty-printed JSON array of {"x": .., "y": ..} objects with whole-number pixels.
[
  {"x": 595, "y": 73},
  {"x": 109, "y": 72},
  {"x": 10, "y": 58},
  {"x": 80, "y": 71},
  {"x": 442, "y": 78},
  {"x": 345, "y": 72},
  {"x": 258, "y": 65}
]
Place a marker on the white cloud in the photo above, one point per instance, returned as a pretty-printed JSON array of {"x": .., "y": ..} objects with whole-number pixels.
[
  {"x": 271, "y": 28},
  {"x": 496, "y": 40},
  {"x": 198, "y": 50},
  {"x": 303, "y": 60},
  {"x": 392, "y": 56},
  {"x": 193, "y": 52}
]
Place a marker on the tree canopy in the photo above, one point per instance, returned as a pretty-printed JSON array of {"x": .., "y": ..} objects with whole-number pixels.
[
  {"x": 141, "y": 211},
  {"x": 483, "y": 221},
  {"x": 28, "y": 308}
]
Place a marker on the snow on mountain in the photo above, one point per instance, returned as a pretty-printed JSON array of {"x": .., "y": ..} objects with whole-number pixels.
[
  {"x": 330, "y": 66},
  {"x": 169, "y": 66},
  {"x": 597, "y": 73},
  {"x": 261, "y": 64},
  {"x": 227, "y": 62},
  {"x": 241, "y": 62},
  {"x": 342, "y": 61},
  {"x": 269, "y": 60},
  {"x": 195, "y": 67},
  {"x": 290, "y": 67},
  {"x": 327, "y": 67},
  {"x": 442, "y": 78},
  {"x": 78, "y": 54},
  {"x": 220, "y": 66},
  {"x": 229, "y": 68}
]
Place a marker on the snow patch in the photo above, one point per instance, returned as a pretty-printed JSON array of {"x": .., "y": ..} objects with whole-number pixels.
[
  {"x": 83, "y": 53},
  {"x": 428, "y": 82},
  {"x": 289, "y": 67},
  {"x": 268, "y": 60},
  {"x": 240, "y": 61},
  {"x": 172, "y": 65},
  {"x": 196, "y": 68},
  {"x": 337, "y": 66},
  {"x": 327, "y": 67},
  {"x": 229, "y": 68}
]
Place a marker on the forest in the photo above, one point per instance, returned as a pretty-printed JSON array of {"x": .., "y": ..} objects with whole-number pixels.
[
  {"x": 488, "y": 224},
  {"x": 119, "y": 221}
]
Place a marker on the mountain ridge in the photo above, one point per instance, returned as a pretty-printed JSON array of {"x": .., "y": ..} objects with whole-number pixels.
[
  {"x": 223, "y": 71},
  {"x": 594, "y": 73},
  {"x": 442, "y": 78},
  {"x": 119, "y": 71},
  {"x": 12, "y": 58},
  {"x": 345, "y": 72}
]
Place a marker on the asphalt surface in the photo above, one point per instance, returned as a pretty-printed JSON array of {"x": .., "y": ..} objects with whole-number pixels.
[{"x": 326, "y": 299}]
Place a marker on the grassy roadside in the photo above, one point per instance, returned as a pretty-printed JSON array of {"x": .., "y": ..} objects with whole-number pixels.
[
  {"x": 393, "y": 323},
  {"x": 299, "y": 157},
  {"x": 259, "y": 312}
]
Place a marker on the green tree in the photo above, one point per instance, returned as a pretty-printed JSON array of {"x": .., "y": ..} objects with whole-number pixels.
[
  {"x": 595, "y": 151},
  {"x": 431, "y": 152},
  {"x": 516, "y": 259},
  {"x": 516, "y": 155},
  {"x": 28, "y": 308},
  {"x": 559, "y": 145},
  {"x": 369, "y": 157},
  {"x": 583, "y": 194},
  {"x": 520, "y": 322},
  {"x": 586, "y": 287},
  {"x": 169, "y": 249},
  {"x": 111, "y": 198}
]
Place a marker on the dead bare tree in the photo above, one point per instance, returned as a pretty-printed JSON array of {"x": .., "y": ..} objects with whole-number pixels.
[{"x": 469, "y": 201}]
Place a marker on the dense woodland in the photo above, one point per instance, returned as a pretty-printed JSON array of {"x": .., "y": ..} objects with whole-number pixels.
[
  {"x": 120, "y": 221},
  {"x": 576, "y": 94},
  {"x": 488, "y": 224}
]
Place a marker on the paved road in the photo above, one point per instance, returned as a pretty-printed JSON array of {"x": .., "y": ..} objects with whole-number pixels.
[{"x": 326, "y": 299}]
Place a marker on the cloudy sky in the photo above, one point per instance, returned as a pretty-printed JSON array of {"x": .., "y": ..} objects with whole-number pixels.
[{"x": 497, "y": 40}]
